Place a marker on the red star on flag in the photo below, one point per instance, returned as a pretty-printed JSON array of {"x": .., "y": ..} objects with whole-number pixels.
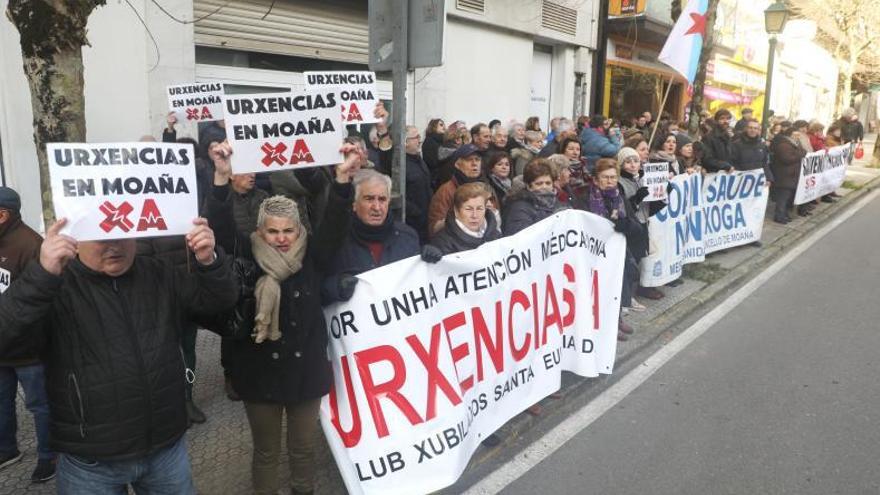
[{"x": 699, "y": 26}]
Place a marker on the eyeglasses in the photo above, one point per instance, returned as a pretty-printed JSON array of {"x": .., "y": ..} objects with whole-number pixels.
[{"x": 608, "y": 177}]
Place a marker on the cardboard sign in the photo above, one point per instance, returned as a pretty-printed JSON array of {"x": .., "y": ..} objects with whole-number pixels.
[
  {"x": 196, "y": 102},
  {"x": 123, "y": 190},
  {"x": 656, "y": 178},
  {"x": 430, "y": 359},
  {"x": 356, "y": 91},
  {"x": 281, "y": 131},
  {"x": 822, "y": 172}
]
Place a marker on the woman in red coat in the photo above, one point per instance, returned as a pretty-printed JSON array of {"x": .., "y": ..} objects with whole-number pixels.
[{"x": 817, "y": 138}]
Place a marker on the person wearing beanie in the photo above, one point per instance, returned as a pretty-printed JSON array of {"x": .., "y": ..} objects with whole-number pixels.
[
  {"x": 19, "y": 245},
  {"x": 633, "y": 194},
  {"x": 685, "y": 153}
]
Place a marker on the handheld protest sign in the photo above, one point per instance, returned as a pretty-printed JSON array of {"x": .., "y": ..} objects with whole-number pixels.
[
  {"x": 123, "y": 190},
  {"x": 656, "y": 178},
  {"x": 280, "y": 131},
  {"x": 356, "y": 91},
  {"x": 822, "y": 172},
  {"x": 196, "y": 102}
]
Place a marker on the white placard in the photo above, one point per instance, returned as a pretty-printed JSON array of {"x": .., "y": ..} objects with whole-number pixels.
[
  {"x": 822, "y": 172},
  {"x": 655, "y": 178},
  {"x": 196, "y": 102},
  {"x": 123, "y": 190},
  {"x": 356, "y": 90},
  {"x": 282, "y": 131}
]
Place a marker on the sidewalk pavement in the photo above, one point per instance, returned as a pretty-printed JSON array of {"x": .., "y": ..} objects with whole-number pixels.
[{"x": 221, "y": 448}]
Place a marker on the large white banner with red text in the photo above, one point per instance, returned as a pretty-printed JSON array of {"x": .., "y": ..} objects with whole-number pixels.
[{"x": 430, "y": 359}]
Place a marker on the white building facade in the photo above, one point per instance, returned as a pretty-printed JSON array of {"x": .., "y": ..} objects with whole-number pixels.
[{"x": 504, "y": 59}]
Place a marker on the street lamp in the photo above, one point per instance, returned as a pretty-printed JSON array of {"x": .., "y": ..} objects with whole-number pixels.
[{"x": 775, "y": 18}]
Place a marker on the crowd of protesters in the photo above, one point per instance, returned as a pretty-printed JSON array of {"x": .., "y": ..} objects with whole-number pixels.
[{"x": 101, "y": 335}]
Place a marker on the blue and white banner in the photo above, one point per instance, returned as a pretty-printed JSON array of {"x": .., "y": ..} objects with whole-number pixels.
[{"x": 703, "y": 215}]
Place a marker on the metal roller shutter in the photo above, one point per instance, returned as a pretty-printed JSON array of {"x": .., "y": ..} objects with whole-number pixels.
[{"x": 326, "y": 29}]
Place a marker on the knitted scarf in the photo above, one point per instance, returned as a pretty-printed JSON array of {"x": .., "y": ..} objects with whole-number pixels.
[
  {"x": 603, "y": 202},
  {"x": 277, "y": 267}
]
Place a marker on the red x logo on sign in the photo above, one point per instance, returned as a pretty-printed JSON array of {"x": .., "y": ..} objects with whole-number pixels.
[
  {"x": 116, "y": 217},
  {"x": 192, "y": 114},
  {"x": 274, "y": 154}
]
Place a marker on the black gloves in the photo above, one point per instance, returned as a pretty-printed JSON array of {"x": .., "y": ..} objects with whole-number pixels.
[
  {"x": 347, "y": 283},
  {"x": 640, "y": 194},
  {"x": 431, "y": 254},
  {"x": 621, "y": 224}
]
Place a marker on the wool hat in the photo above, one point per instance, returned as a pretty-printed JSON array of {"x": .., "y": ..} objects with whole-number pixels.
[
  {"x": 681, "y": 139},
  {"x": 9, "y": 199},
  {"x": 625, "y": 153}
]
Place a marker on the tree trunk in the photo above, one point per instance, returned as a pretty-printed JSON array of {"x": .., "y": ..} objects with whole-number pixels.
[
  {"x": 700, "y": 78},
  {"x": 844, "y": 87},
  {"x": 53, "y": 33}
]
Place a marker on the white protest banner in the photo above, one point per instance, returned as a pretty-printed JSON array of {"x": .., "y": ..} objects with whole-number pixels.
[
  {"x": 5, "y": 280},
  {"x": 822, "y": 172},
  {"x": 703, "y": 215},
  {"x": 196, "y": 102},
  {"x": 281, "y": 131},
  {"x": 356, "y": 91},
  {"x": 655, "y": 178},
  {"x": 123, "y": 190},
  {"x": 430, "y": 359}
]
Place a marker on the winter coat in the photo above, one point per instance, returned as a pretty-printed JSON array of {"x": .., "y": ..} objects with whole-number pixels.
[
  {"x": 786, "y": 161},
  {"x": 19, "y": 244},
  {"x": 716, "y": 151},
  {"x": 354, "y": 257},
  {"x": 851, "y": 130},
  {"x": 522, "y": 210},
  {"x": 441, "y": 204},
  {"x": 817, "y": 142},
  {"x": 431, "y": 152},
  {"x": 595, "y": 145},
  {"x": 111, "y": 349},
  {"x": 832, "y": 141},
  {"x": 520, "y": 157},
  {"x": 418, "y": 195},
  {"x": 750, "y": 154},
  {"x": 452, "y": 239},
  {"x": 294, "y": 368}
]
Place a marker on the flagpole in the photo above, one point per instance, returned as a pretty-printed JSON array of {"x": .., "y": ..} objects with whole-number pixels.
[{"x": 662, "y": 106}]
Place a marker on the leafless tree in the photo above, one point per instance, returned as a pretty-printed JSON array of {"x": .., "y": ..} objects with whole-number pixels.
[{"x": 53, "y": 33}]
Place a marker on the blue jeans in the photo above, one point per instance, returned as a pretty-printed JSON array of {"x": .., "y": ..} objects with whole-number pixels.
[
  {"x": 166, "y": 472},
  {"x": 34, "y": 385}
]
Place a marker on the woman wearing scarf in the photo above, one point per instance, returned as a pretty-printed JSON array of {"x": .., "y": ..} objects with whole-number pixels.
[
  {"x": 534, "y": 203},
  {"x": 467, "y": 226},
  {"x": 497, "y": 170},
  {"x": 283, "y": 368},
  {"x": 629, "y": 163},
  {"x": 604, "y": 199}
]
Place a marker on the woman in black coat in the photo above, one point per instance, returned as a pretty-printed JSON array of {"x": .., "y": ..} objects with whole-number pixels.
[
  {"x": 468, "y": 225},
  {"x": 283, "y": 367},
  {"x": 536, "y": 202}
]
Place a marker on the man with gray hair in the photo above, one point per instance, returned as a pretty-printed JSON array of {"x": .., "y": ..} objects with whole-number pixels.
[
  {"x": 373, "y": 237},
  {"x": 418, "y": 184}
]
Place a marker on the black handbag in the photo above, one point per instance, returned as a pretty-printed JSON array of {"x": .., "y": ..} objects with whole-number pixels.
[{"x": 238, "y": 323}]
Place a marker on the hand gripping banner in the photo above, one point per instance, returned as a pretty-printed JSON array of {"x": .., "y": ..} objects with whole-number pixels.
[{"x": 430, "y": 359}]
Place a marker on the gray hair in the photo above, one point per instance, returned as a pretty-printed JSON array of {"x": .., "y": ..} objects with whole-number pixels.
[
  {"x": 564, "y": 125},
  {"x": 514, "y": 126},
  {"x": 533, "y": 137},
  {"x": 499, "y": 129},
  {"x": 558, "y": 162},
  {"x": 279, "y": 207},
  {"x": 367, "y": 176}
]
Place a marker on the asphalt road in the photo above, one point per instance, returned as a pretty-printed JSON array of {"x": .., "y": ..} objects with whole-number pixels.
[{"x": 781, "y": 396}]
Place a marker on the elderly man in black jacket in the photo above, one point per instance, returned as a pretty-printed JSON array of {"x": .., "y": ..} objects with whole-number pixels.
[
  {"x": 107, "y": 325},
  {"x": 373, "y": 237},
  {"x": 749, "y": 152}
]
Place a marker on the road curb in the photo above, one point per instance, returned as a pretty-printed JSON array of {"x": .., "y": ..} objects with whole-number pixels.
[{"x": 665, "y": 326}]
